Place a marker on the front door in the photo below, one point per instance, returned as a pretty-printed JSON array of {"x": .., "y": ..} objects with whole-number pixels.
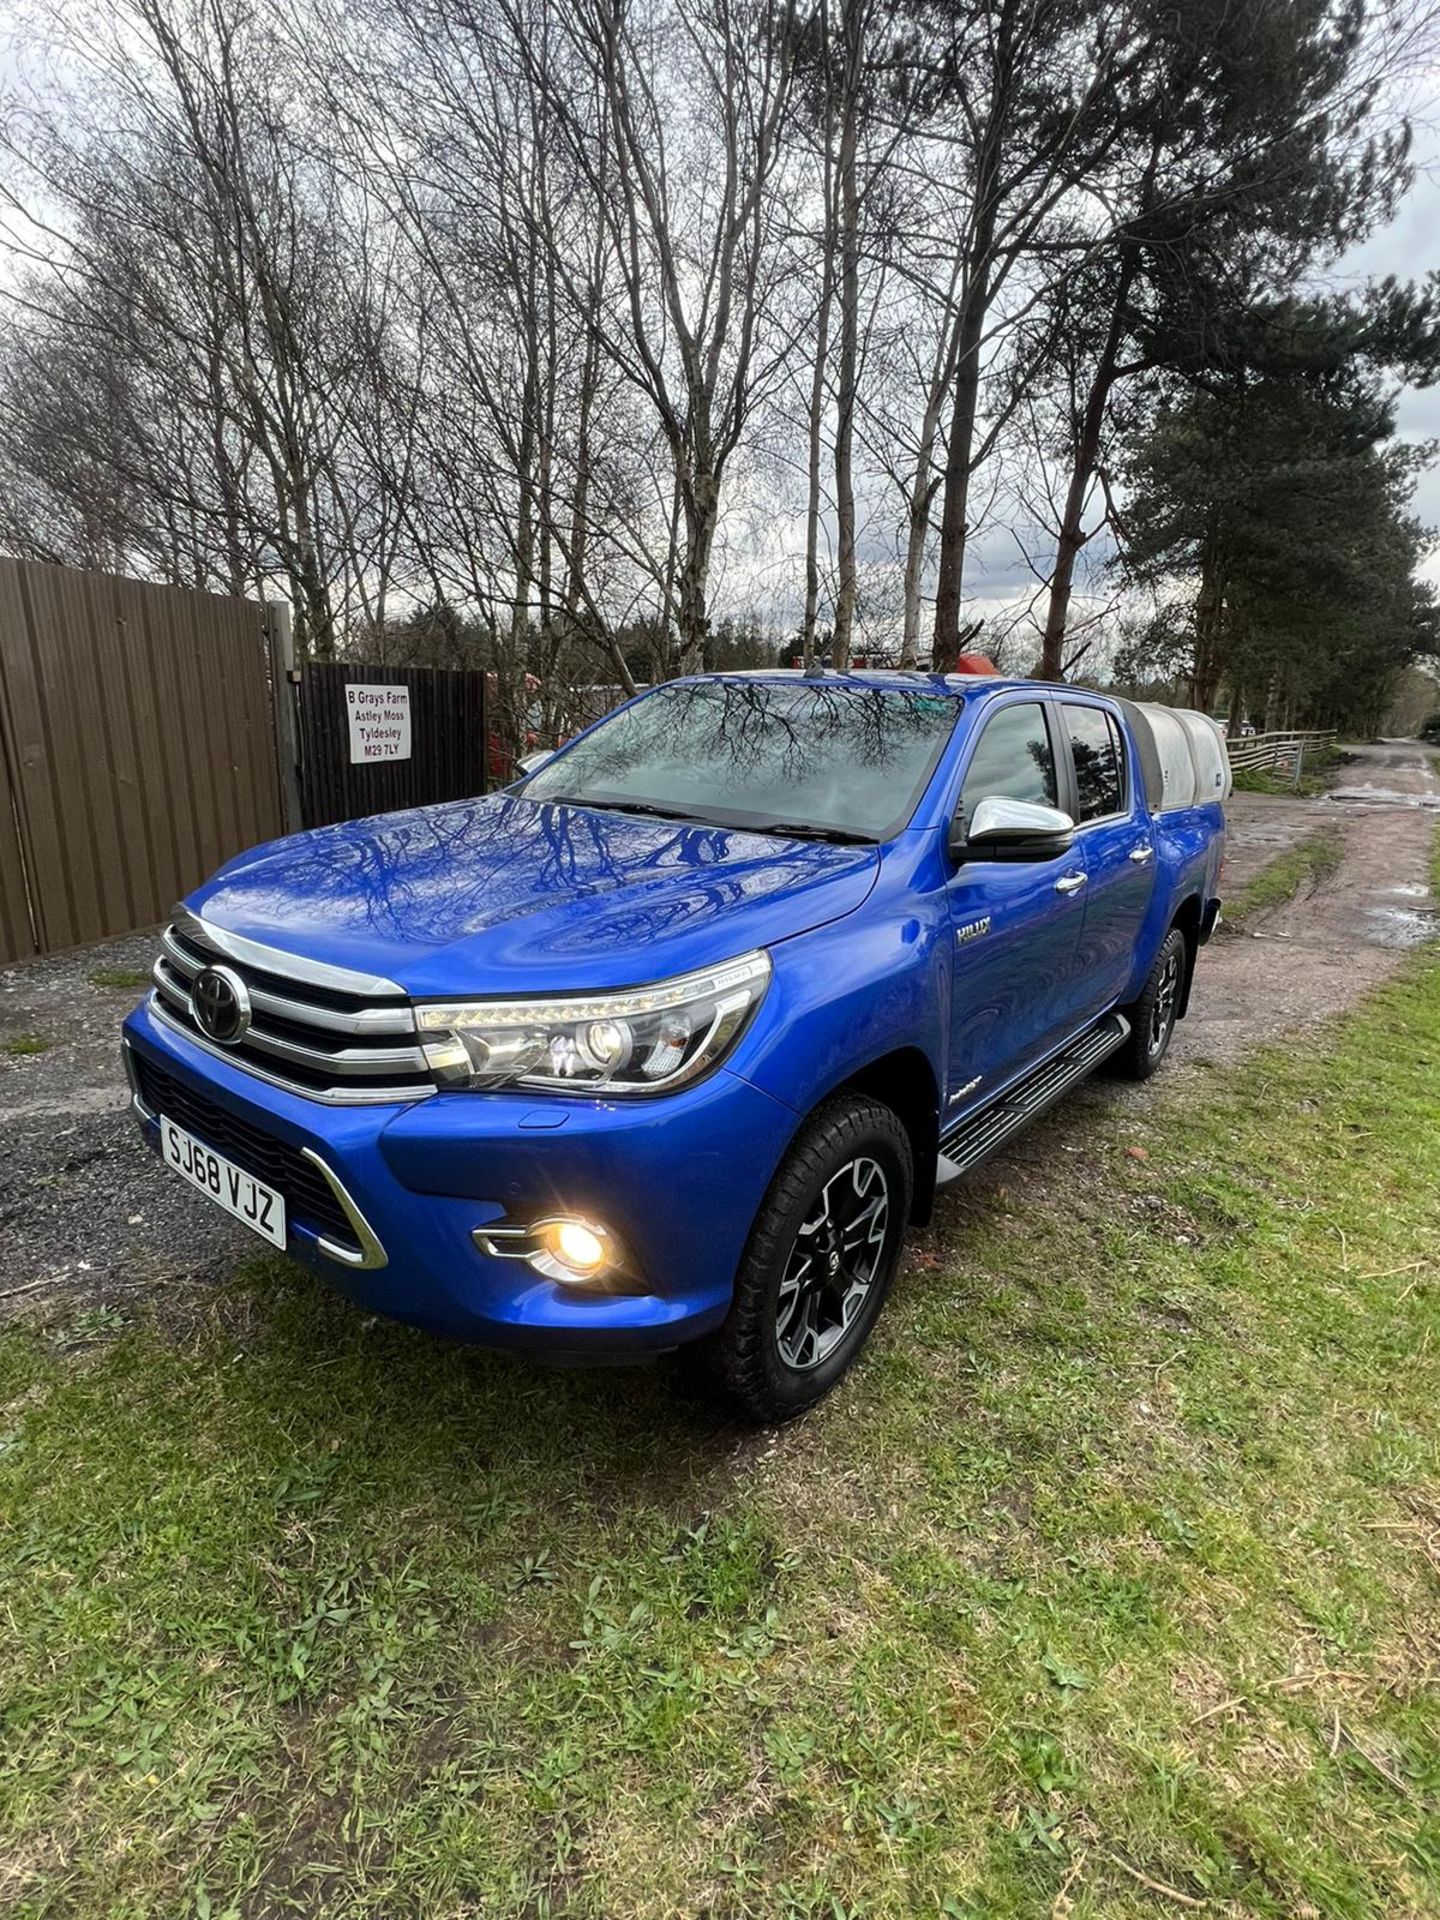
[{"x": 1015, "y": 923}]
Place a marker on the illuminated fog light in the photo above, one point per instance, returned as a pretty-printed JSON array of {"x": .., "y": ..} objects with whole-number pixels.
[
  {"x": 574, "y": 1251},
  {"x": 578, "y": 1246}
]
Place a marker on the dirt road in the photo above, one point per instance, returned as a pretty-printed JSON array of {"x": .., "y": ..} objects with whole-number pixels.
[
  {"x": 1316, "y": 954},
  {"x": 87, "y": 1215}
]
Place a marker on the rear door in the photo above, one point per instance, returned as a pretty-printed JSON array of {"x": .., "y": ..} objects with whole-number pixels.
[
  {"x": 1116, "y": 838},
  {"x": 1015, "y": 923}
]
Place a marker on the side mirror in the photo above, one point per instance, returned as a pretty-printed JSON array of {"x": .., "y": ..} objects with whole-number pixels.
[
  {"x": 532, "y": 762},
  {"x": 1003, "y": 829}
]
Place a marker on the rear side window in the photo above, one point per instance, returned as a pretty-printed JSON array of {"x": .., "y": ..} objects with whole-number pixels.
[
  {"x": 1014, "y": 758},
  {"x": 1099, "y": 763}
]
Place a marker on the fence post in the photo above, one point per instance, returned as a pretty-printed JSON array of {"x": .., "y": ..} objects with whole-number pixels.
[
  {"x": 283, "y": 679},
  {"x": 1299, "y": 761}
]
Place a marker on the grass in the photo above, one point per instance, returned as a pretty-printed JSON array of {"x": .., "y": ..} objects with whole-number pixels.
[
  {"x": 20, "y": 1044},
  {"x": 120, "y": 979},
  {"x": 1307, "y": 865},
  {"x": 1262, "y": 780},
  {"x": 1115, "y": 1569}
]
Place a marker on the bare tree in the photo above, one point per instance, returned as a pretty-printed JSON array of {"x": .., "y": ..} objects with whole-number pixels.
[
  {"x": 1033, "y": 96},
  {"x": 675, "y": 117},
  {"x": 501, "y": 332},
  {"x": 177, "y": 221}
]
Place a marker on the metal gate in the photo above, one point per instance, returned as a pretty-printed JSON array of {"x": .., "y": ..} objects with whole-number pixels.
[
  {"x": 448, "y": 744},
  {"x": 137, "y": 750}
]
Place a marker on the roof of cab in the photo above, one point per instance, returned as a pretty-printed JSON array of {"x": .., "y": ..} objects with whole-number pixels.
[{"x": 897, "y": 679}]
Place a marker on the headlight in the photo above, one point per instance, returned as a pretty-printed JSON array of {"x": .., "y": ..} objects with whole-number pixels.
[{"x": 640, "y": 1040}]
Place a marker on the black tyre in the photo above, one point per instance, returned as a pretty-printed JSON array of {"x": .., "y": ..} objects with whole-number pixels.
[
  {"x": 818, "y": 1263},
  {"x": 1152, "y": 1017}
]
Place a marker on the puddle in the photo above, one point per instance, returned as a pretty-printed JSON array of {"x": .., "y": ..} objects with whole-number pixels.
[
  {"x": 1249, "y": 834},
  {"x": 1401, "y": 926},
  {"x": 1409, "y": 890},
  {"x": 1384, "y": 797}
]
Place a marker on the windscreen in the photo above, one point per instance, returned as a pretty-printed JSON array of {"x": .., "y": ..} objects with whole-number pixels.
[{"x": 830, "y": 757}]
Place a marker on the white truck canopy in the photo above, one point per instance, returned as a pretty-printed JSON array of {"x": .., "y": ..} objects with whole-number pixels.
[{"x": 1183, "y": 754}]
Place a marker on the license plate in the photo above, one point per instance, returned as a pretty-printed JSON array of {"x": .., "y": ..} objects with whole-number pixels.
[{"x": 229, "y": 1186}]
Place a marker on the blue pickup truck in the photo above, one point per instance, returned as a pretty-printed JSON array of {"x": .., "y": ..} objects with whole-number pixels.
[{"x": 664, "y": 1046}]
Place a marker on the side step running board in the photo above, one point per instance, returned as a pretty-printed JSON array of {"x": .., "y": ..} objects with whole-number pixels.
[{"x": 980, "y": 1134}]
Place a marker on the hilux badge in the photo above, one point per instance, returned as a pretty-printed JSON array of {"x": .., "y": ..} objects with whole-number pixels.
[{"x": 972, "y": 930}]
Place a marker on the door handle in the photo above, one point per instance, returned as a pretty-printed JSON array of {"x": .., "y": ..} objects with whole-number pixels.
[
  {"x": 1141, "y": 854},
  {"x": 1070, "y": 882}
]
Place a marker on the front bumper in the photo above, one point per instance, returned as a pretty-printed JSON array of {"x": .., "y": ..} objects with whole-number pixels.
[{"x": 679, "y": 1179}]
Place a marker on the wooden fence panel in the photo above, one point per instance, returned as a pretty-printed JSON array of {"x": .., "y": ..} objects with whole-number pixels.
[
  {"x": 448, "y": 751},
  {"x": 140, "y": 744},
  {"x": 1259, "y": 751}
]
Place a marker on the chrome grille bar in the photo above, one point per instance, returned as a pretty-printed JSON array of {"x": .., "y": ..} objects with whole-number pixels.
[
  {"x": 302, "y": 1014},
  {"x": 354, "y": 1096},
  {"x": 235, "y": 947}
]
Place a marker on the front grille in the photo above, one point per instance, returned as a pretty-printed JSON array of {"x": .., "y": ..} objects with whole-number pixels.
[
  {"x": 309, "y": 1197},
  {"x": 317, "y": 1031}
]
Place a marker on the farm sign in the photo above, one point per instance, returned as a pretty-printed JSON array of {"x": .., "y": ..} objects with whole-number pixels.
[{"x": 379, "y": 722}]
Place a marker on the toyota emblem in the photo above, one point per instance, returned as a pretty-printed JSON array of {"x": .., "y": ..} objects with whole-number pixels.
[{"x": 222, "y": 1005}]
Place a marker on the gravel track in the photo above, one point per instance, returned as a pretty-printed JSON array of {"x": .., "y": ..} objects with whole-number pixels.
[
  {"x": 85, "y": 1208},
  {"x": 1319, "y": 952}
]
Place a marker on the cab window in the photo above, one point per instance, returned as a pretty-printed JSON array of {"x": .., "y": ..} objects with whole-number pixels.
[
  {"x": 1013, "y": 758},
  {"x": 1095, "y": 751}
]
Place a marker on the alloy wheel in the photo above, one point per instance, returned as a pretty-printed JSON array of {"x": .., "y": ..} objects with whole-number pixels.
[
  {"x": 833, "y": 1265},
  {"x": 1167, "y": 995}
]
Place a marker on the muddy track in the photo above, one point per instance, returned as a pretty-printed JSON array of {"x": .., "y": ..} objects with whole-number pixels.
[
  {"x": 1320, "y": 951},
  {"x": 87, "y": 1215}
]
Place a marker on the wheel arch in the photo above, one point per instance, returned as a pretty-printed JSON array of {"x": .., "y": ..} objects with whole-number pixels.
[
  {"x": 904, "y": 1081},
  {"x": 1187, "y": 920}
]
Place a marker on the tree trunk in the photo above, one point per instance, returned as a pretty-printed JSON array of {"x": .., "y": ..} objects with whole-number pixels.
[
  {"x": 580, "y": 502},
  {"x": 1209, "y": 621},
  {"x": 975, "y": 297},
  {"x": 842, "y": 646},
  {"x": 956, "y": 507},
  {"x": 314, "y": 623},
  {"x": 812, "y": 496},
  {"x": 816, "y": 421},
  {"x": 547, "y": 453},
  {"x": 702, "y": 502},
  {"x": 1087, "y": 450},
  {"x": 918, "y": 515},
  {"x": 922, "y": 493}
]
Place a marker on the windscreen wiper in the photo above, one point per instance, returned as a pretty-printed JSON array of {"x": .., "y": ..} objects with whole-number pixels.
[
  {"x": 807, "y": 830},
  {"x": 616, "y": 806},
  {"x": 790, "y": 829}
]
